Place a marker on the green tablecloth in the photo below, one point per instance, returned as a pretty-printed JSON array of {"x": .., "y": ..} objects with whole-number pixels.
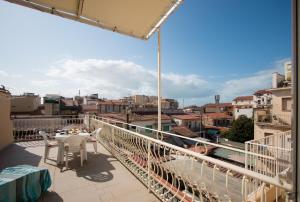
[{"x": 23, "y": 183}]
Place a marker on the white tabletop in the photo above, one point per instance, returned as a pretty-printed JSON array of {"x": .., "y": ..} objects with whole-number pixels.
[{"x": 62, "y": 137}]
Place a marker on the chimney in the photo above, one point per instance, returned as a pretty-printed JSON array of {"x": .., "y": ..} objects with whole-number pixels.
[{"x": 276, "y": 79}]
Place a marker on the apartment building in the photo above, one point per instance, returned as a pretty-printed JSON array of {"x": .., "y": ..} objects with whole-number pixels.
[
  {"x": 6, "y": 134},
  {"x": 110, "y": 106},
  {"x": 146, "y": 101},
  {"x": 104, "y": 106},
  {"x": 243, "y": 106},
  {"x": 191, "y": 121},
  {"x": 28, "y": 103},
  {"x": 217, "y": 108},
  {"x": 262, "y": 99},
  {"x": 51, "y": 104},
  {"x": 146, "y": 121},
  {"x": 192, "y": 109},
  {"x": 219, "y": 119},
  {"x": 69, "y": 106},
  {"x": 274, "y": 114}
]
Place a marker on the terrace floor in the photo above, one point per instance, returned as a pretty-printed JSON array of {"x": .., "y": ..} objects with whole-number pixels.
[{"x": 102, "y": 178}]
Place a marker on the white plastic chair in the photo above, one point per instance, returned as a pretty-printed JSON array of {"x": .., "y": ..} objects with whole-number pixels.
[
  {"x": 74, "y": 144},
  {"x": 93, "y": 138},
  {"x": 48, "y": 144}
]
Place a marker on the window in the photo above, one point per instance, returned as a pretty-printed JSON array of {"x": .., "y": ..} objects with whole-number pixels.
[
  {"x": 286, "y": 104},
  {"x": 166, "y": 128}
]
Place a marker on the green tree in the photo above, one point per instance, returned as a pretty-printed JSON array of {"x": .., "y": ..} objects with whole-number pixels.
[{"x": 242, "y": 130}]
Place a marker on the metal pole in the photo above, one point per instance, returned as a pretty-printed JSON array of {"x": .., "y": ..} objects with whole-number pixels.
[
  {"x": 296, "y": 102},
  {"x": 158, "y": 82}
]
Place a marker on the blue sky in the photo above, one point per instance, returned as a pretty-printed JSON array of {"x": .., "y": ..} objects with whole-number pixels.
[{"x": 208, "y": 47}]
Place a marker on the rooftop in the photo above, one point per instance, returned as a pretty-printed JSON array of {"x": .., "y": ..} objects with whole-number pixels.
[
  {"x": 102, "y": 178},
  {"x": 184, "y": 131},
  {"x": 187, "y": 117},
  {"x": 243, "y": 98},
  {"x": 225, "y": 104},
  {"x": 261, "y": 92},
  {"x": 218, "y": 115}
]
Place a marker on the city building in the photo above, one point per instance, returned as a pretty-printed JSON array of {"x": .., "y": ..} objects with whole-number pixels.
[
  {"x": 101, "y": 106},
  {"x": 219, "y": 119},
  {"x": 217, "y": 108},
  {"x": 273, "y": 113},
  {"x": 69, "y": 106},
  {"x": 191, "y": 121},
  {"x": 51, "y": 104},
  {"x": 146, "y": 121},
  {"x": 28, "y": 103},
  {"x": 192, "y": 109},
  {"x": 243, "y": 106},
  {"x": 184, "y": 131},
  {"x": 6, "y": 130},
  {"x": 262, "y": 99}
]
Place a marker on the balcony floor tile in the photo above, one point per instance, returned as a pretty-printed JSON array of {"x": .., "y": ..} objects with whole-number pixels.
[{"x": 102, "y": 178}]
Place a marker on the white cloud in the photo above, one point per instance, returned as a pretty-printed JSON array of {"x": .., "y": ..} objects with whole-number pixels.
[
  {"x": 248, "y": 85},
  {"x": 7, "y": 75},
  {"x": 117, "y": 78},
  {"x": 3, "y": 73},
  {"x": 44, "y": 83}
]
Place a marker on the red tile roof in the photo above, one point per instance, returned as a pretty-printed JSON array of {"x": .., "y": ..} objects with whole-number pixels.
[
  {"x": 225, "y": 104},
  {"x": 184, "y": 131},
  {"x": 250, "y": 97},
  {"x": 217, "y": 128},
  {"x": 218, "y": 115},
  {"x": 187, "y": 117},
  {"x": 135, "y": 117},
  {"x": 262, "y": 92}
]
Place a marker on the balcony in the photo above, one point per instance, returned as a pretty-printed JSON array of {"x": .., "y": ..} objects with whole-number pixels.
[
  {"x": 102, "y": 178},
  {"x": 282, "y": 120},
  {"x": 133, "y": 161}
]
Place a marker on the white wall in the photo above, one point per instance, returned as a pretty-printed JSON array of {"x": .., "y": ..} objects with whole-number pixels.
[{"x": 248, "y": 112}]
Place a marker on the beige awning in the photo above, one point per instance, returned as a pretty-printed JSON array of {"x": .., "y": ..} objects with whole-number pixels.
[{"x": 137, "y": 18}]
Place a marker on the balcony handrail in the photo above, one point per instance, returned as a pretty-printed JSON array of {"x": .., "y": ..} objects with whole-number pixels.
[
  {"x": 195, "y": 140},
  {"x": 269, "y": 146},
  {"x": 270, "y": 136},
  {"x": 248, "y": 173}
]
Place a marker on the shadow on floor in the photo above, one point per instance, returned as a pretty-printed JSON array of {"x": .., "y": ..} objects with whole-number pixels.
[
  {"x": 97, "y": 168},
  {"x": 50, "y": 196},
  {"x": 17, "y": 155}
]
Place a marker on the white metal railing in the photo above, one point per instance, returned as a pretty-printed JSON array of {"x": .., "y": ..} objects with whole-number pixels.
[
  {"x": 206, "y": 146},
  {"x": 173, "y": 173},
  {"x": 277, "y": 147},
  {"x": 177, "y": 174},
  {"x": 279, "y": 151},
  {"x": 27, "y": 129}
]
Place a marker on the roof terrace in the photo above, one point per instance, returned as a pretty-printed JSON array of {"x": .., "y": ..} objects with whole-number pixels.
[
  {"x": 131, "y": 163},
  {"x": 102, "y": 178}
]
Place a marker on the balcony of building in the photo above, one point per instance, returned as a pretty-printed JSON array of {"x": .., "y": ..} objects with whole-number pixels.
[
  {"x": 133, "y": 162},
  {"x": 266, "y": 118},
  {"x": 102, "y": 178}
]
